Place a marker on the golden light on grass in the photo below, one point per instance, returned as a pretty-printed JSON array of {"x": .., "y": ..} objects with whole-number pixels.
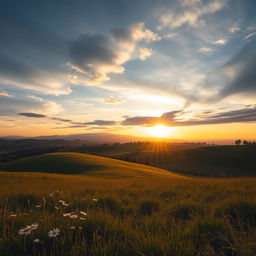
[{"x": 159, "y": 131}]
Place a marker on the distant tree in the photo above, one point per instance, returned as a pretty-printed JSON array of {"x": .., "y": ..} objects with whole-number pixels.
[
  {"x": 245, "y": 142},
  {"x": 238, "y": 142}
]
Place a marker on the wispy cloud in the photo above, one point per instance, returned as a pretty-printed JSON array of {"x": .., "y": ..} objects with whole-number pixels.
[
  {"x": 174, "y": 118},
  {"x": 238, "y": 75},
  {"x": 250, "y": 35},
  {"x": 205, "y": 50},
  {"x": 234, "y": 29},
  {"x": 191, "y": 15},
  {"x": 5, "y": 94},
  {"x": 32, "y": 115},
  {"x": 221, "y": 42},
  {"x": 113, "y": 101},
  {"x": 73, "y": 124}
]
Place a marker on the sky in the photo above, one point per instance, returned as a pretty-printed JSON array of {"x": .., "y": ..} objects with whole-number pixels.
[{"x": 125, "y": 66}]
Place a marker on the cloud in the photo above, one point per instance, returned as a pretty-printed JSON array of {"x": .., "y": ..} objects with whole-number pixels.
[
  {"x": 97, "y": 55},
  {"x": 113, "y": 101},
  {"x": 72, "y": 79},
  {"x": 205, "y": 50},
  {"x": 234, "y": 29},
  {"x": 37, "y": 115},
  {"x": 250, "y": 35},
  {"x": 189, "y": 2},
  {"x": 191, "y": 16},
  {"x": 220, "y": 42},
  {"x": 5, "y": 94},
  {"x": 145, "y": 53},
  {"x": 61, "y": 119},
  {"x": 101, "y": 122},
  {"x": 74, "y": 124},
  {"x": 238, "y": 75},
  {"x": 32, "y": 115},
  {"x": 31, "y": 54},
  {"x": 170, "y": 35},
  {"x": 26, "y": 104},
  {"x": 139, "y": 120},
  {"x": 174, "y": 118}
]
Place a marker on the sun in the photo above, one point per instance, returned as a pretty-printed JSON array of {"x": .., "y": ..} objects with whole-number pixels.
[{"x": 160, "y": 131}]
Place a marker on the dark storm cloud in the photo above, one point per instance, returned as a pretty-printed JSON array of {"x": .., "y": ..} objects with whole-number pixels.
[
  {"x": 32, "y": 115},
  {"x": 173, "y": 118}
]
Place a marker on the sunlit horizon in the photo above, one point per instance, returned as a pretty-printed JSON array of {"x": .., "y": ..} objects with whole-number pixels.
[{"x": 176, "y": 70}]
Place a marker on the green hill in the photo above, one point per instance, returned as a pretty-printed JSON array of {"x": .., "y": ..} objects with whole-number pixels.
[
  {"x": 77, "y": 163},
  {"x": 212, "y": 161}
]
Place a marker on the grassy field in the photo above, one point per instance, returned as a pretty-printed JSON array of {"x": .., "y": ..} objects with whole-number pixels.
[
  {"x": 149, "y": 212},
  {"x": 83, "y": 164},
  {"x": 210, "y": 161}
]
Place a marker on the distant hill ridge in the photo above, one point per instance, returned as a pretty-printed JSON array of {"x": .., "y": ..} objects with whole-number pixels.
[{"x": 83, "y": 164}]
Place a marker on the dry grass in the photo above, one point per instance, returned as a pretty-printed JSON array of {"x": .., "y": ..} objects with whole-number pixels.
[{"x": 153, "y": 215}]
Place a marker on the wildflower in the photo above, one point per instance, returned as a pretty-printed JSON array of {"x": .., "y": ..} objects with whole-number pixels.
[
  {"x": 13, "y": 215},
  {"x": 95, "y": 199},
  {"x": 54, "y": 233},
  {"x": 81, "y": 218},
  {"x": 34, "y": 226},
  {"x": 73, "y": 216},
  {"x": 83, "y": 213},
  {"x": 38, "y": 206},
  {"x": 56, "y": 207},
  {"x": 72, "y": 227},
  {"x": 67, "y": 214},
  {"x": 25, "y": 231},
  {"x": 37, "y": 240},
  {"x": 63, "y": 203},
  {"x": 80, "y": 227}
]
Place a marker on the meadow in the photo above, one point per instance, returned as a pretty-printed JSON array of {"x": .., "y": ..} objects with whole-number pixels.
[
  {"x": 126, "y": 209},
  {"x": 186, "y": 158}
]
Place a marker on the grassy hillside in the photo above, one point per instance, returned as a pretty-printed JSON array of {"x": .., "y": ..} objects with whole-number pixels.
[
  {"x": 213, "y": 161},
  {"x": 77, "y": 163},
  {"x": 150, "y": 215}
]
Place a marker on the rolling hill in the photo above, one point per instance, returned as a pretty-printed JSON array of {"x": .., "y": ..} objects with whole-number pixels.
[
  {"x": 77, "y": 163},
  {"x": 210, "y": 161}
]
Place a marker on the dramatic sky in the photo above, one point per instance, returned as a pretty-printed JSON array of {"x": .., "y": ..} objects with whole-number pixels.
[{"x": 124, "y": 66}]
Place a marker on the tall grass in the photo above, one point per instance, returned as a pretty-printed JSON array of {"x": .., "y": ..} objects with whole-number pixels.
[{"x": 151, "y": 216}]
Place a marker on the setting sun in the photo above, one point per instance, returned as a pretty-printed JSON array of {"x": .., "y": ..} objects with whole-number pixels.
[{"x": 160, "y": 131}]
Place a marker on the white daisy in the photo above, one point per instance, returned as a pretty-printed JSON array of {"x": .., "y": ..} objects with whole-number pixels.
[
  {"x": 25, "y": 231},
  {"x": 83, "y": 213},
  {"x": 73, "y": 216},
  {"x": 53, "y": 233},
  {"x": 34, "y": 226}
]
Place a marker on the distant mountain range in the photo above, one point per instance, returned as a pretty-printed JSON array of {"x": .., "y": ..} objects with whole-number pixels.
[{"x": 85, "y": 137}]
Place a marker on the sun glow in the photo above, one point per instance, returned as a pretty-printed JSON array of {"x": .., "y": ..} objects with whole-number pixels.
[{"x": 160, "y": 131}]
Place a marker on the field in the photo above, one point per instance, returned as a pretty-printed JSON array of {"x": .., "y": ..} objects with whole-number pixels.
[
  {"x": 187, "y": 158},
  {"x": 108, "y": 207}
]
